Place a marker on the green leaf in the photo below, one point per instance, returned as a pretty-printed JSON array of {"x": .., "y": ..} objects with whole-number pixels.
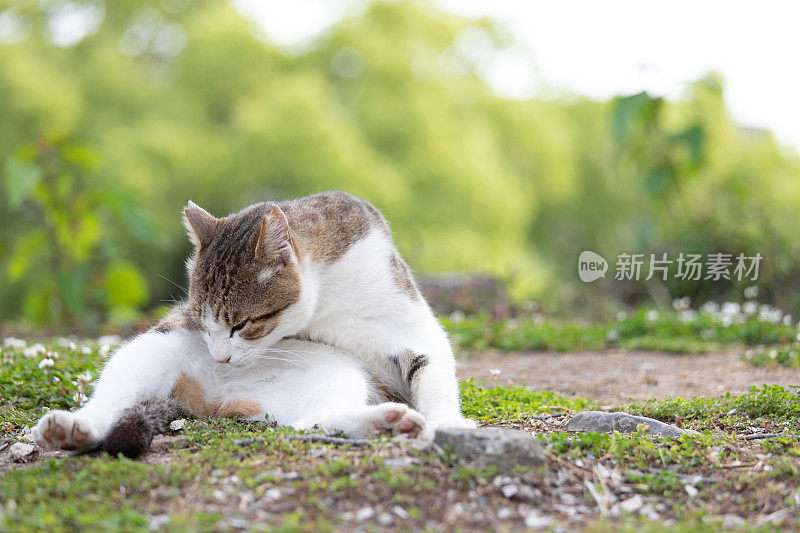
[
  {"x": 27, "y": 249},
  {"x": 20, "y": 178},
  {"x": 124, "y": 286}
]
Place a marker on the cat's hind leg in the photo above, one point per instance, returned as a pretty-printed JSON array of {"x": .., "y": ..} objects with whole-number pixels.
[
  {"x": 131, "y": 398},
  {"x": 388, "y": 418},
  {"x": 333, "y": 392}
]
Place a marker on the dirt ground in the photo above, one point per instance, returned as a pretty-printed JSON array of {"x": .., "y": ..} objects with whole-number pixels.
[{"x": 614, "y": 377}]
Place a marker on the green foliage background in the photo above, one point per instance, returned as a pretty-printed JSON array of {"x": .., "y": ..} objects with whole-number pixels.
[{"x": 105, "y": 140}]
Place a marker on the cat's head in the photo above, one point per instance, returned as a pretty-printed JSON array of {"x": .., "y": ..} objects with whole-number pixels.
[{"x": 245, "y": 289}]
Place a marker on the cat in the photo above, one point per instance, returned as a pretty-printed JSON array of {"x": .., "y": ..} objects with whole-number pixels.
[{"x": 322, "y": 270}]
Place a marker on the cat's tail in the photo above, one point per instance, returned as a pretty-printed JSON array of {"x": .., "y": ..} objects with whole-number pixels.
[{"x": 135, "y": 427}]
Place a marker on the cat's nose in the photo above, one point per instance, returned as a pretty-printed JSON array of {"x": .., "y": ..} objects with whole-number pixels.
[{"x": 226, "y": 360}]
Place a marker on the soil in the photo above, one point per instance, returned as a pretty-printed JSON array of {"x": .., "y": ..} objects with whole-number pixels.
[{"x": 612, "y": 378}]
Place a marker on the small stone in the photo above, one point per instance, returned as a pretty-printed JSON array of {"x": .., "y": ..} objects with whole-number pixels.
[
  {"x": 163, "y": 443},
  {"x": 505, "y": 513},
  {"x": 509, "y": 491},
  {"x": 219, "y": 495},
  {"x": 398, "y": 462},
  {"x": 632, "y": 504},
  {"x": 177, "y": 425},
  {"x": 247, "y": 442},
  {"x": 600, "y": 422},
  {"x": 691, "y": 491},
  {"x": 537, "y": 521},
  {"x": 273, "y": 494},
  {"x": 159, "y": 521},
  {"x": 239, "y": 523},
  {"x": 365, "y": 513},
  {"x": 21, "y": 452},
  {"x": 385, "y": 519},
  {"x": 400, "y": 512},
  {"x": 484, "y": 447},
  {"x": 732, "y": 521}
]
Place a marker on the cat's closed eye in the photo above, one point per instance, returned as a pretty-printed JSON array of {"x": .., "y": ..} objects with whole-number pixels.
[{"x": 239, "y": 326}]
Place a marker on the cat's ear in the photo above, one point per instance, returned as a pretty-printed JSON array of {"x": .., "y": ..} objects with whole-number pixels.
[
  {"x": 200, "y": 224},
  {"x": 274, "y": 238}
]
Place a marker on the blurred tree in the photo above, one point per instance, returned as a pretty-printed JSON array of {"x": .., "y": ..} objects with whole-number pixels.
[
  {"x": 187, "y": 100},
  {"x": 62, "y": 256}
]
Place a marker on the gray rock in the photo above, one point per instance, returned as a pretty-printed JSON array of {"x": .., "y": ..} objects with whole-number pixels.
[
  {"x": 163, "y": 443},
  {"x": 483, "y": 447},
  {"x": 21, "y": 452},
  {"x": 600, "y": 422},
  {"x": 177, "y": 425}
]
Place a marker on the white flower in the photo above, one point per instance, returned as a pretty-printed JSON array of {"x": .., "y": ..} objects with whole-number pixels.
[
  {"x": 730, "y": 309},
  {"x": 457, "y": 315},
  {"x": 33, "y": 351},
  {"x": 46, "y": 363},
  {"x": 751, "y": 292},
  {"x": 85, "y": 378},
  {"x": 681, "y": 304},
  {"x": 52, "y": 354},
  {"x": 86, "y": 350},
  {"x": 622, "y": 315},
  {"x": 495, "y": 371},
  {"x": 750, "y": 308},
  {"x": 709, "y": 308},
  {"x": 111, "y": 340},
  {"x": 79, "y": 398},
  {"x": 56, "y": 379},
  {"x": 13, "y": 342},
  {"x": 651, "y": 315}
]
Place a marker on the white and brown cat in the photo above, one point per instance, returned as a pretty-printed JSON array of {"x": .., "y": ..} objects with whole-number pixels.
[{"x": 301, "y": 312}]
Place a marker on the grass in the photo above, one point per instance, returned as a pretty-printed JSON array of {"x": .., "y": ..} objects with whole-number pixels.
[
  {"x": 782, "y": 355},
  {"x": 301, "y": 486},
  {"x": 647, "y": 329}
]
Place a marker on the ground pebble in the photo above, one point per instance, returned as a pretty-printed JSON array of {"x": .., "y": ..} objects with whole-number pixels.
[
  {"x": 385, "y": 519},
  {"x": 273, "y": 494},
  {"x": 632, "y": 504},
  {"x": 732, "y": 521},
  {"x": 537, "y": 521},
  {"x": 162, "y": 443},
  {"x": 158, "y": 521},
  {"x": 365, "y": 513},
  {"x": 239, "y": 523},
  {"x": 21, "y": 452},
  {"x": 505, "y": 513},
  {"x": 400, "y": 512},
  {"x": 177, "y": 425}
]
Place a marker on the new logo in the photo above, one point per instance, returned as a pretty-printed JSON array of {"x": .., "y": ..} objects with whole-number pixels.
[{"x": 591, "y": 266}]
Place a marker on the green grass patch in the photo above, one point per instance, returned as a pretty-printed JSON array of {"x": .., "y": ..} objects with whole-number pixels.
[
  {"x": 647, "y": 329},
  {"x": 788, "y": 356},
  {"x": 496, "y": 405}
]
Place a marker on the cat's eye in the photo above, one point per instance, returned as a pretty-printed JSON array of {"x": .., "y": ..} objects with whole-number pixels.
[
  {"x": 267, "y": 316},
  {"x": 237, "y": 327}
]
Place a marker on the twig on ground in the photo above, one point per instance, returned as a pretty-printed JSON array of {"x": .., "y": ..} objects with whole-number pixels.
[
  {"x": 546, "y": 417},
  {"x": 325, "y": 439}
]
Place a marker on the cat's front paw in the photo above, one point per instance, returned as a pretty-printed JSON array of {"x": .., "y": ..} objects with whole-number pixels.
[
  {"x": 60, "y": 430},
  {"x": 398, "y": 419},
  {"x": 454, "y": 422}
]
